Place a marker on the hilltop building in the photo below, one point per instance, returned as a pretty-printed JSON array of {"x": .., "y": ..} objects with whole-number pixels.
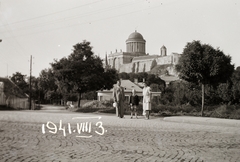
[{"x": 136, "y": 60}]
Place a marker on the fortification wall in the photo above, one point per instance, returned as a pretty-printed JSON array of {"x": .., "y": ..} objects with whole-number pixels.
[
  {"x": 126, "y": 68},
  {"x": 164, "y": 60}
]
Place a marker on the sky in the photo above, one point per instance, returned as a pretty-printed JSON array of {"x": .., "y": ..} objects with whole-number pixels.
[{"x": 48, "y": 29}]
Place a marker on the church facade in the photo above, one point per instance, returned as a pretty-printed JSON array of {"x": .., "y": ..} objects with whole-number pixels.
[{"x": 136, "y": 60}]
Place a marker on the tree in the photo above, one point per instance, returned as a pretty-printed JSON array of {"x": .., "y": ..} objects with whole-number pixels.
[
  {"x": 80, "y": 72},
  {"x": 142, "y": 75},
  {"x": 153, "y": 79},
  {"x": 47, "y": 85},
  {"x": 202, "y": 64},
  {"x": 34, "y": 87},
  {"x": 20, "y": 80},
  {"x": 224, "y": 92},
  {"x": 236, "y": 85},
  {"x": 123, "y": 75},
  {"x": 110, "y": 77},
  {"x": 133, "y": 76}
]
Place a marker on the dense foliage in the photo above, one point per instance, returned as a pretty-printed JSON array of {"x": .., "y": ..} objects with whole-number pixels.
[
  {"x": 204, "y": 65},
  {"x": 82, "y": 72},
  {"x": 79, "y": 75},
  {"x": 208, "y": 78}
]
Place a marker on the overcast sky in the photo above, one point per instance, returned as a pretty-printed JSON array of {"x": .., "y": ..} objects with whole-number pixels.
[{"x": 48, "y": 29}]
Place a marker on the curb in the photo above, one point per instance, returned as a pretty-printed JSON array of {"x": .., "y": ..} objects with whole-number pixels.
[{"x": 204, "y": 120}]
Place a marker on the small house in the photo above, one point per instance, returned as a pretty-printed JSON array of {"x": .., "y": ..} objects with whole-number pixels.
[
  {"x": 128, "y": 86},
  {"x": 11, "y": 95}
]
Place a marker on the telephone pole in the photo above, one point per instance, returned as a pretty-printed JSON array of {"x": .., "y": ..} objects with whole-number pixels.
[{"x": 30, "y": 85}]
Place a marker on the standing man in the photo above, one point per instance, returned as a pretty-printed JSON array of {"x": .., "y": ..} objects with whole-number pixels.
[{"x": 119, "y": 97}]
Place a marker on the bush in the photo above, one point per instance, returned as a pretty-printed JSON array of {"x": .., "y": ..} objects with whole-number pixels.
[
  {"x": 222, "y": 111},
  {"x": 235, "y": 114},
  {"x": 161, "y": 108},
  {"x": 94, "y": 106},
  {"x": 168, "y": 110},
  {"x": 187, "y": 108},
  {"x": 227, "y": 111},
  {"x": 98, "y": 104},
  {"x": 165, "y": 113},
  {"x": 106, "y": 107},
  {"x": 195, "y": 112}
]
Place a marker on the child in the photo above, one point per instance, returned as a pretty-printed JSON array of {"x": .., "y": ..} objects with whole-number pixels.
[{"x": 134, "y": 102}]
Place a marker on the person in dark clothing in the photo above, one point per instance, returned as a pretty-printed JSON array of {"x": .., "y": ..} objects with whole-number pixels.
[
  {"x": 134, "y": 102},
  {"x": 119, "y": 97}
]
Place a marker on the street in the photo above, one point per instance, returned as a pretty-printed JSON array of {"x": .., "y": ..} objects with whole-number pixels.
[{"x": 54, "y": 134}]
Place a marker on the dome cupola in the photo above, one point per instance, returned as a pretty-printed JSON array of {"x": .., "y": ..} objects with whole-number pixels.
[
  {"x": 135, "y": 43},
  {"x": 135, "y": 36}
]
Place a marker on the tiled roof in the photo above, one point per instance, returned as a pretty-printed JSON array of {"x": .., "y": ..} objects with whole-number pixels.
[
  {"x": 169, "y": 78},
  {"x": 128, "y": 85}
]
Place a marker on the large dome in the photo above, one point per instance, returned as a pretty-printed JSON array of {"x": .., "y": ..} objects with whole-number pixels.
[
  {"x": 135, "y": 43},
  {"x": 135, "y": 35}
]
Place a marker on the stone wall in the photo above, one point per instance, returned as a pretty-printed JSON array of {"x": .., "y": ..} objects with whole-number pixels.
[
  {"x": 126, "y": 68},
  {"x": 164, "y": 60},
  {"x": 144, "y": 66},
  {"x": 124, "y": 62}
]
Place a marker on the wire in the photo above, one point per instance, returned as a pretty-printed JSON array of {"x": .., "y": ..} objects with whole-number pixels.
[
  {"x": 89, "y": 22},
  {"x": 75, "y": 17},
  {"x": 14, "y": 37},
  {"x": 53, "y": 13},
  {"x": 9, "y": 67}
]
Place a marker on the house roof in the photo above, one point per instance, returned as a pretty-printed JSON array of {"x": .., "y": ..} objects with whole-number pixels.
[
  {"x": 10, "y": 88},
  {"x": 128, "y": 85},
  {"x": 169, "y": 78}
]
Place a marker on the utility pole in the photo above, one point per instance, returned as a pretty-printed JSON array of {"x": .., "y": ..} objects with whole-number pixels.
[{"x": 30, "y": 85}]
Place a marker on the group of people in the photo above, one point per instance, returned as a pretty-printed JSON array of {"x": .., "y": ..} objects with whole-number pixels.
[{"x": 119, "y": 98}]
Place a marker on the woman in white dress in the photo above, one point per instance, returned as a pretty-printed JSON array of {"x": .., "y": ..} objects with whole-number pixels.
[{"x": 146, "y": 100}]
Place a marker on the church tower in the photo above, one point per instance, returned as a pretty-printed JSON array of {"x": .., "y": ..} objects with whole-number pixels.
[{"x": 163, "y": 51}]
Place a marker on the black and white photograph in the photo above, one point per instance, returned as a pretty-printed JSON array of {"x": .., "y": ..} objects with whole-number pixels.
[{"x": 119, "y": 80}]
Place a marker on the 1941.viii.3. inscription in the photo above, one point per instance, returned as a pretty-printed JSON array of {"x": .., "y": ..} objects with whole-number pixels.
[{"x": 83, "y": 129}]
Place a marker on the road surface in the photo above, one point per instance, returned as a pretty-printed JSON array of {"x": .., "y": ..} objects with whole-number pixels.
[{"x": 55, "y": 134}]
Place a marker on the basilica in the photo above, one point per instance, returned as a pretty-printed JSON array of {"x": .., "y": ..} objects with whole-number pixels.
[{"x": 136, "y": 60}]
